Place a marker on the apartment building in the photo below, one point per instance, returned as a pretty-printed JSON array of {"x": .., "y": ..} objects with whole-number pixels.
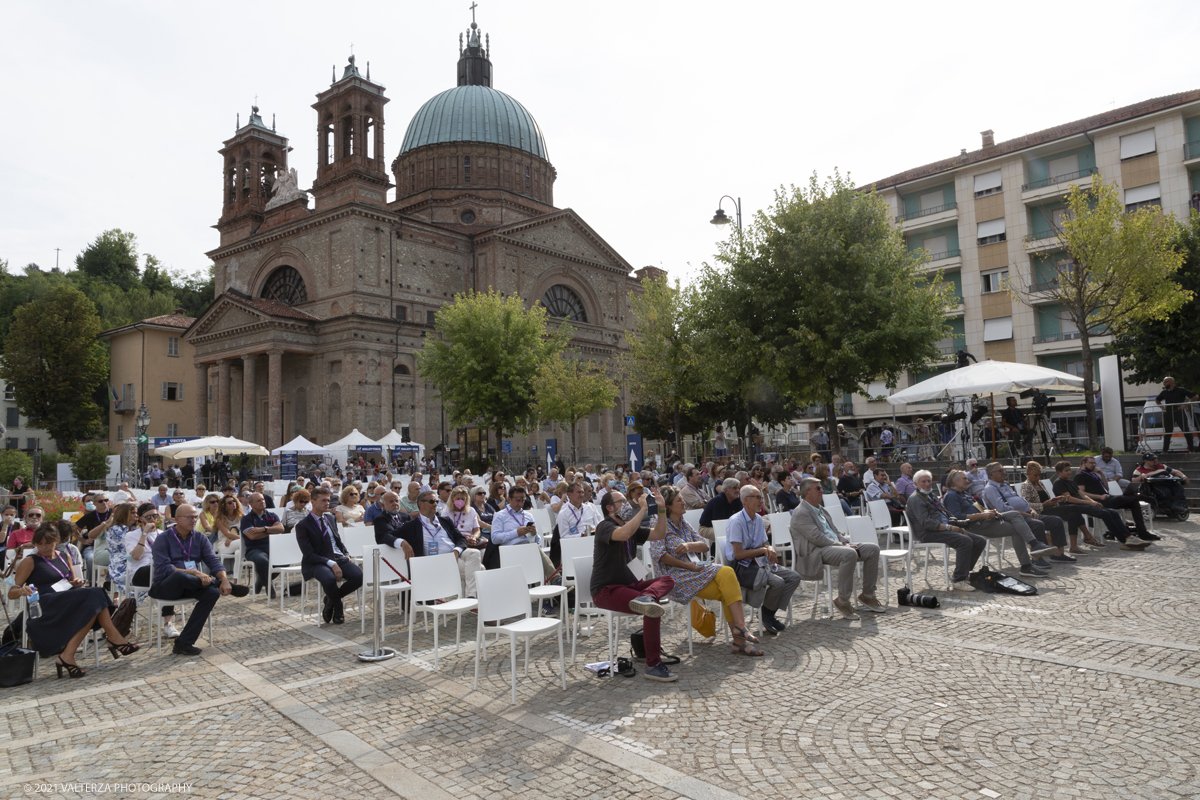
[{"x": 987, "y": 217}]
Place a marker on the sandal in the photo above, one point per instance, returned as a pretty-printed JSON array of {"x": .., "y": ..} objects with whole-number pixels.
[
  {"x": 747, "y": 649},
  {"x": 743, "y": 633},
  {"x": 73, "y": 670},
  {"x": 126, "y": 649}
]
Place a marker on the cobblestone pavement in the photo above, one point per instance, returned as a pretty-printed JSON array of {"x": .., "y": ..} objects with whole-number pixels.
[{"x": 1091, "y": 689}]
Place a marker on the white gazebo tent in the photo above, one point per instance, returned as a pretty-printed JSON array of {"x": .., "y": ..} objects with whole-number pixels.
[
  {"x": 395, "y": 443},
  {"x": 987, "y": 377},
  {"x": 354, "y": 440},
  {"x": 301, "y": 446}
]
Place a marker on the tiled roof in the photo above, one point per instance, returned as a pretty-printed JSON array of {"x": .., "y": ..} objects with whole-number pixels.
[
  {"x": 173, "y": 320},
  {"x": 1041, "y": 137},
  {"x": 272, "y": 307}
]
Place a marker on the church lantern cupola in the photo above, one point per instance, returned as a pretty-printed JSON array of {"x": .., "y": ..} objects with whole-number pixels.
[{"x": 252, "y": 159}]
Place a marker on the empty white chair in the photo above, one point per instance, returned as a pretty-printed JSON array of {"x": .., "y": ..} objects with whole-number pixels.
[
  {"x": 529, "y": 559},
  {"x": 541, "y": 521},
  {"x": 573, "y": 548},
  {"x": 356, "y": 537},
  {"x": 882, "y": 517},
  {"x": 503, "y": 594},
  {"x": 693, "y": 517},
  {"x": 436, "y": 578},
  {"x": 285, "y": 560},
  {"x": 393, "y": 579},
  {"x": 719, "y": 526},
  {"x": 781, "y": 535}
]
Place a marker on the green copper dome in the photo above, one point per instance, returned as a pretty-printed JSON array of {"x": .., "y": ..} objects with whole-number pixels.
[{"x": 475, "y": 114}]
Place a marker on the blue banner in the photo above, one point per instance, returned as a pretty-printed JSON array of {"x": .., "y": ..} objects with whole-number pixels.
[
  {"x": 287, "y": 466},
  {"x": 163, "y": 441},
  {"x": 551, "y": 452},
  {"x": 506, "y": 446}
]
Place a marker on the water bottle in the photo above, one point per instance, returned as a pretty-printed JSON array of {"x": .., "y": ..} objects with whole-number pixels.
[{"x": 35, "y": 607}]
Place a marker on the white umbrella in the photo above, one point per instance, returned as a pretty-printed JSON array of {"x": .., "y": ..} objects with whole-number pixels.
[
  {"x": 301, "y": 446},
  {"x": 986, "y": 377},
  {"x": 211, "y": 445}
]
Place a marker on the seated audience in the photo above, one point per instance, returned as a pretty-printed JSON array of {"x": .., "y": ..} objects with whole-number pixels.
[
  {"x": 1049, "y": 529},
  {"x": 1153, "y": 474},
  {"x": 616, "y": 588},
  {"x": 747, "y": 541},
  {"x": 818, "y": 543},
  {"x": 137, "y": 536},
  {"x": 429, "y": 534},
  {"x": 324, "y": 557},
  {"x": 1044, "y": 508},
  {"x": 482, "y": 510},
  {"x": 69, "y": 609},
  {"x": 177, "y": 553},
  {"x": 931, "y": 521},
  {"x": 724, "y": 505},
  {"x": 1093, "y": 486},
  {"x": 786, "y": 499},
  {"x": 678, "y": 555},
  {"x": 510, "y": 528},
  {"x": 1111, "y": 469},
  {"x": 993, "y": 524},
  {"x": 1067, "y": 489},
  {"x": 256, "y": 529}
]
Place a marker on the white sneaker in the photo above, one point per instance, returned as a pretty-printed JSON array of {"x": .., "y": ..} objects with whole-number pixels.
[
  {"x": 963, "y": 586},
  {"x": 169, "y": 631}
]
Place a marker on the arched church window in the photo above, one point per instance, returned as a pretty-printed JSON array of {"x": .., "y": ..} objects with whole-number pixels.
[
  {"x": 285, "y": 285},
  {"x": 562, "y": 302}
]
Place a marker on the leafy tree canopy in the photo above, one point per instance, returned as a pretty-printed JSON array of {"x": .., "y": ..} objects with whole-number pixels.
[
  {"x": 112, "y": 258},
  {"x": 484, "y": 358},
  {"x": 55, "y": 364},
  {"x": 569, "y": 389}
]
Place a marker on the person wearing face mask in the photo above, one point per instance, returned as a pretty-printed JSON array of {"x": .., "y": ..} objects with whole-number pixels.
[
  {"x": 932, "y": 522},
  {"x": 92, "y": 526},
  {"x": 462, "y": 515}
]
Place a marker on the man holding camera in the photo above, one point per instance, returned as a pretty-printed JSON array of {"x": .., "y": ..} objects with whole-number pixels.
[{"x": 1017, "y": 428}]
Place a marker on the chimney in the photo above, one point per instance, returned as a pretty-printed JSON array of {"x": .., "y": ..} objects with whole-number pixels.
[
  {"x": 181, "y": 311},
  {"x": 988, "y": 139}
]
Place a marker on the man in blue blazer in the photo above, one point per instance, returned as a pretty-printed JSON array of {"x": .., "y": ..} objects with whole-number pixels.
[{"x": 325, "y": 556}]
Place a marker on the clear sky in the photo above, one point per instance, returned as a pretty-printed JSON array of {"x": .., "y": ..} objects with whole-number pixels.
[{"x": 114, "y": 111}]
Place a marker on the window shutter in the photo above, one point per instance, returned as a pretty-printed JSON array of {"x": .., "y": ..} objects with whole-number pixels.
[
  {"x": 993, "y": 227},
  {"x": 997, "y": 329},
  {"x": 164, "y": 390},
  {"x": 179, "y": 391},
  {"x": 1140, "y": 194},
  {"x": 988, "y": 180},
  {"x": 1137, "y": 144}
]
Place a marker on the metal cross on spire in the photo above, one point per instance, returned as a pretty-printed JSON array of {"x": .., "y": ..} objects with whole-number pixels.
[{"x": 473, "y": 5}]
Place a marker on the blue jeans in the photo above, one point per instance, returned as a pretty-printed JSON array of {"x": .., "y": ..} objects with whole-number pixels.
[
  {"x": 180, "y": 585},
  {"x": 261, "y": 558}
]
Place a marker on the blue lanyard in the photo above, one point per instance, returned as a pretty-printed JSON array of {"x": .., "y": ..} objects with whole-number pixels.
[{"x": 188, "y": 554}]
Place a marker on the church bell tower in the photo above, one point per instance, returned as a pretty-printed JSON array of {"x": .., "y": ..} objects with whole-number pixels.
[
  {"x": 252, "y": 159},
  {"x": 350, "y": 159}
]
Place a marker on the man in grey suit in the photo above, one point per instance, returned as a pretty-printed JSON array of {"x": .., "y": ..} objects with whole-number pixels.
[
  {"x": 818, "y": 543},
  {"x": 932, "y": 522}
]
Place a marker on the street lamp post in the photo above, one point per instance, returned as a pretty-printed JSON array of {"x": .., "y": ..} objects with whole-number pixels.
[
  {"x": 141, "y": 425},
  {"x": 720, "y": 219}
]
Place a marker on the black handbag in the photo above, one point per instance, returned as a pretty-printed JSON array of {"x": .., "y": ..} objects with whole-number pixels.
[
  {"x": 16, "y": 665},
  {"x": 993, "y": 582}
]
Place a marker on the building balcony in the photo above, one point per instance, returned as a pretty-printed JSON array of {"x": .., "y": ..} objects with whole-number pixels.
[
  {"x": 818, "y": 411},
  {"x": 1058, "y": 180},
  {"x": 929, "y": 218},
  {"x": 1042, "y": 242},
  {"x": 1191, "y": 152},
  {"x": 1056, "y": 337}
]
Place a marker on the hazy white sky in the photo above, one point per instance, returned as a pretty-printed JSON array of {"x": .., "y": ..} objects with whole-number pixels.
[{"x": 114, "y": 111}]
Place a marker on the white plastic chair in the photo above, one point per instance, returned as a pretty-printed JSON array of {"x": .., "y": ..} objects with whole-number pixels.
[
  {"x": 585, "y": 606},
  {"x": 503, "y": 594},
  {"x": 285, "y": 560},
  {"x": 156, "y": 606},
  {"x": 392, "y": 580},
  {"x": 781, "y": 534},
  {"x": 1048, "y": 486},
  {"x": 541, "y": 521},
  {"x": 529, "y": 559},
  {"x": 882, "y": 517},
  {"x": 719, "y": 527},
  {"x": 834, "y": 506},
  {"x": 356, "y": 537},
  {"x": 436, "y": 578},
  {"x": 572, "y": 548},
  {"x": 926, "y": 547},
  {"x": 693, "y": 517}
]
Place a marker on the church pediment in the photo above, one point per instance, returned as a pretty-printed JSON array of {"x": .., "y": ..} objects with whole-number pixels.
[
  {"x": 230, "y": 313},
  {"x": 563, "y": 233}
]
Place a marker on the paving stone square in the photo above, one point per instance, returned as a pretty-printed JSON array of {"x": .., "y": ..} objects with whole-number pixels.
[{"x": 1088, "y": 690}]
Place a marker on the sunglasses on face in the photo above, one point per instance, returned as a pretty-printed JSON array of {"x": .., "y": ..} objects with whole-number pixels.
[{"x": 33, "y": 516}]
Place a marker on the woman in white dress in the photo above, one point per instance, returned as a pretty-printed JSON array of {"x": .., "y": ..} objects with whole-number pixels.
[{"x": 349, "y": 510}]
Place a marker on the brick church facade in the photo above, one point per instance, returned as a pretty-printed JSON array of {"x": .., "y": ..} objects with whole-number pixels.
[{"x": 320, "y": 310}]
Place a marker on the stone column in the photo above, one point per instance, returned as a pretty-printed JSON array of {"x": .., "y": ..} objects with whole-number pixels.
[
  {"x": 419, "y": 433},
  {"x": 223, "y": 388},
  {"x": 201, "y": 393},
  {"x": 606, "y": 436},
  {"x": 387, "y": 399},
  {"x": 249, "y": 397},
  {"x": 275, "y": 399}
]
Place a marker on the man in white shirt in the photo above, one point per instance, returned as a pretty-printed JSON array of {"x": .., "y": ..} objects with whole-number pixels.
[
  {"x": 510, "y": 527},
  {"x": 868, "y": 474},
  {"x": 123, "y": 495},
  {"x": 1108, "y": 466},
  {"x": 578, "y": 515},
  {"x": 746, "y": 542}
]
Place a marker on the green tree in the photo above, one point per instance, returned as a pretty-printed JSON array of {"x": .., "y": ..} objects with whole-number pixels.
[
  {"x": 821, "y": 296},
  {"x": 14, "y": 463},
  {"x": 1119, "y": 272},
  {"x": 664, "y": 367},
  {"x": 156, "y": 278},
  {"x": 484, "y": 358},
  {"x": 568, "y": 389},
  {"x": 194, "y": 292},
  {"x": 55, "y": 363},
  {"x": 1153, "y": 349},
  {"x": 91, "y": 462},
  {"x": 112, "y": 257}
]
